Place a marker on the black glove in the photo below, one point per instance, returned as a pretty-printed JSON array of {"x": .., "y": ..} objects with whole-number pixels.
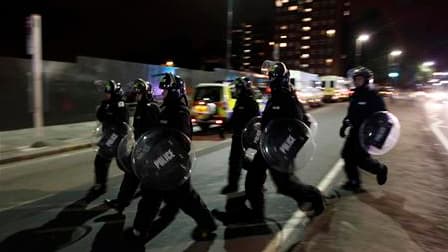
[{"x": 345, "y": 124}]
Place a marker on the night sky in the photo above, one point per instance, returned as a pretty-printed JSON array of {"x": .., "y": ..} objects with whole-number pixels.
[{"x": 192, "y": 32}]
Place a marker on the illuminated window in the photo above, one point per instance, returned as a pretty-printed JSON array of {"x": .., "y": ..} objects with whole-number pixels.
[
  {"x": 271, "y": 43},
  {"x": 305, "y": 56},
  {"x": 304, "y": 65},
  {"x": 308, "y": 1},
  {"x": 283, "y": 36},
  {"x": 329, "y": 61},
  {"x": 293, "y": 8},
  {"x": 331, "y": 32},
  {"x": 283, "y": 44},
  {"x": 283, "y": 27},
  {"x": 278, "y": 3},
  {"x": 247, "y": 51},
  {"x": 247, "y": 32},
  {"x": 308, "y": 10},
  {"x": 247, "y": 38},
  {"x": 306, "y": 19},
  {"x": 248, "y": 26},
  {"x": 306, "y": 28},
  {"x": 285, "y": 1},
  {"x": 246, "y": 63},
  {"x": 306, "y": 38},
  {"x": 305, "y": 47},
  {"x": 347, "y": 13},
  {"x": 246, "y": 57}
]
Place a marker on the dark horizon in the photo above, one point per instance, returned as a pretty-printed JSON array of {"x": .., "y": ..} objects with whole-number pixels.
[{"x": 193, "y": 33}]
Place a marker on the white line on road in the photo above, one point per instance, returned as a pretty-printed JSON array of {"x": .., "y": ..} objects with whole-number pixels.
[
  {"x": 281, "y": 241},
  {"x": 27, "y": 202},
  {"x": 439, "y": 134}
]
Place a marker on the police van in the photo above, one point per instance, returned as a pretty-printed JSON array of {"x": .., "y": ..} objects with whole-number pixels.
[{"x": 336, "y": 88}]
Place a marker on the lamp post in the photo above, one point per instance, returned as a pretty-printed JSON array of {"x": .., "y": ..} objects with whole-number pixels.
[
  {"x": 229, "y": 33},
  {"x": 393, "y": 64},
  {"x": 362, "y": 38}
]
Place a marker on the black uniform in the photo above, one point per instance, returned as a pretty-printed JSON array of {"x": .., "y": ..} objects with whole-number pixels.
[
  {"x": 174, "y": 114},
  {"x": 281, "y": 105},
  {"x": 363, "y": 104},
  {"x": 113, "y": 115},
  {"x": 246, "y": 108},
  {"x": 146, "y": 116}
]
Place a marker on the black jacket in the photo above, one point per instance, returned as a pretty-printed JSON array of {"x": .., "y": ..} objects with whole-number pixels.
[
  {"x": 176, "y": 115},
  {"x": 113, "y": 114},
  {"x": 146, "y": 116},
  {"x": 246, "y": 108},
  {"x": 363, "y": 103},
  {"x": 283, "y": 104}
]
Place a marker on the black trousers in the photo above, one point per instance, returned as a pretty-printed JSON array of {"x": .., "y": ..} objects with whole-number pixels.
[
  {"x": 287, "y": 184},
  {"x": 128, "y": 187},
  {"x": 184, "y": 198},
  {"x": 356, "y": 157},
  {"x": 235, "y": 160},
  {"x": 102, "y": 165}
]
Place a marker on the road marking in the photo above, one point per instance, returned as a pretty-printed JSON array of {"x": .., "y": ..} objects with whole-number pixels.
[
  {"x": 27, "y": 202},
  {"x": 281, "y": 240},
  {"x": 439, "y": 134},
  {"x": 44, "y": 158}
]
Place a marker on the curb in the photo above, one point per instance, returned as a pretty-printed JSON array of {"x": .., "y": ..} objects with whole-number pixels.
[
  {"x": 198, "y": 153},
  {"x": 45, "y": 153}
]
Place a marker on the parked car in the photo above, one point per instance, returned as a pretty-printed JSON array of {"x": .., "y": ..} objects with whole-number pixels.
[{"x": 311, "y": 96}]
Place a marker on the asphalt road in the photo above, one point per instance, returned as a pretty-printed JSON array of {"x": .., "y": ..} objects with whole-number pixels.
[{"x": 37, "y": 196}]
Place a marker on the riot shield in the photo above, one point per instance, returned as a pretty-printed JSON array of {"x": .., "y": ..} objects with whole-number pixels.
[
  {"x": 379, "y": 133},
  {"x": 287, "y": 145},
  {"x": 314, "y": 125},
  {"x": 110, "y": 140},
  {"x": 124, "y": 151},
  {"x": 161, "y": 159},
  {"x": 250, "y": 138}
]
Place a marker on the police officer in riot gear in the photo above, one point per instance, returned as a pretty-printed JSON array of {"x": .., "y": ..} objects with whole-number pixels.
[
  {"x": 113, "y": 115},
  {"x": 282, "y": 104},
  {"x": 364, "y": 102},
  {"x": 246, "y": 108},
  {"x": 146, "y": 116},
  {"x": 175, "y": 115}
]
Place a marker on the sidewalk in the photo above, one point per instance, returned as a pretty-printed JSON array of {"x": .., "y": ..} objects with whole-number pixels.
[
  {"x": 16, "y": 145},
  {"x": 409, "y": 213}
]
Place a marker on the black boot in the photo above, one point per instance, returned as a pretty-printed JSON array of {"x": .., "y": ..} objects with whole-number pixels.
[
  {"x": 116, "y": 204},
  {"x": 96, "y": 191},
  {"x": 352, "y": 186},
  {"x": 204, "y": 233},
  {"x": 381, "y": 177},
  {"x": 229, "y": 189}
]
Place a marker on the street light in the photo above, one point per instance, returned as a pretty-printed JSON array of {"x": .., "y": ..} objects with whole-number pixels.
[
  {"x": 359, "y": 40},
  {"x": 428, "y": 63},
  {"x": 363, "y": 37},
  {"x": 393, "y": 65},
  {"x": 395, "y": 53}
]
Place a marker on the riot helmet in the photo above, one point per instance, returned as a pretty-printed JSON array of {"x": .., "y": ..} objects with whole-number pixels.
[
  {"x": 142, "y": 87},
  {"x": 174, "y": 86},
  {"x": 243, "y": 85},
  {"x": 278, "y": 76},
  {"x": 114, "y": 88},
  {"x": 363, "y": 72}
]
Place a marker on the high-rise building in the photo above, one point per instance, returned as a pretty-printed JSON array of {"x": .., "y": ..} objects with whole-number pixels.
[
  {"x": 250, "y": 47},
  {"x": 310, "y": 35}
]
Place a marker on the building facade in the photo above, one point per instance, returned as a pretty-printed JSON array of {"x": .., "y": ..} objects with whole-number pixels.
[{"x": 311, "y": 35}]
